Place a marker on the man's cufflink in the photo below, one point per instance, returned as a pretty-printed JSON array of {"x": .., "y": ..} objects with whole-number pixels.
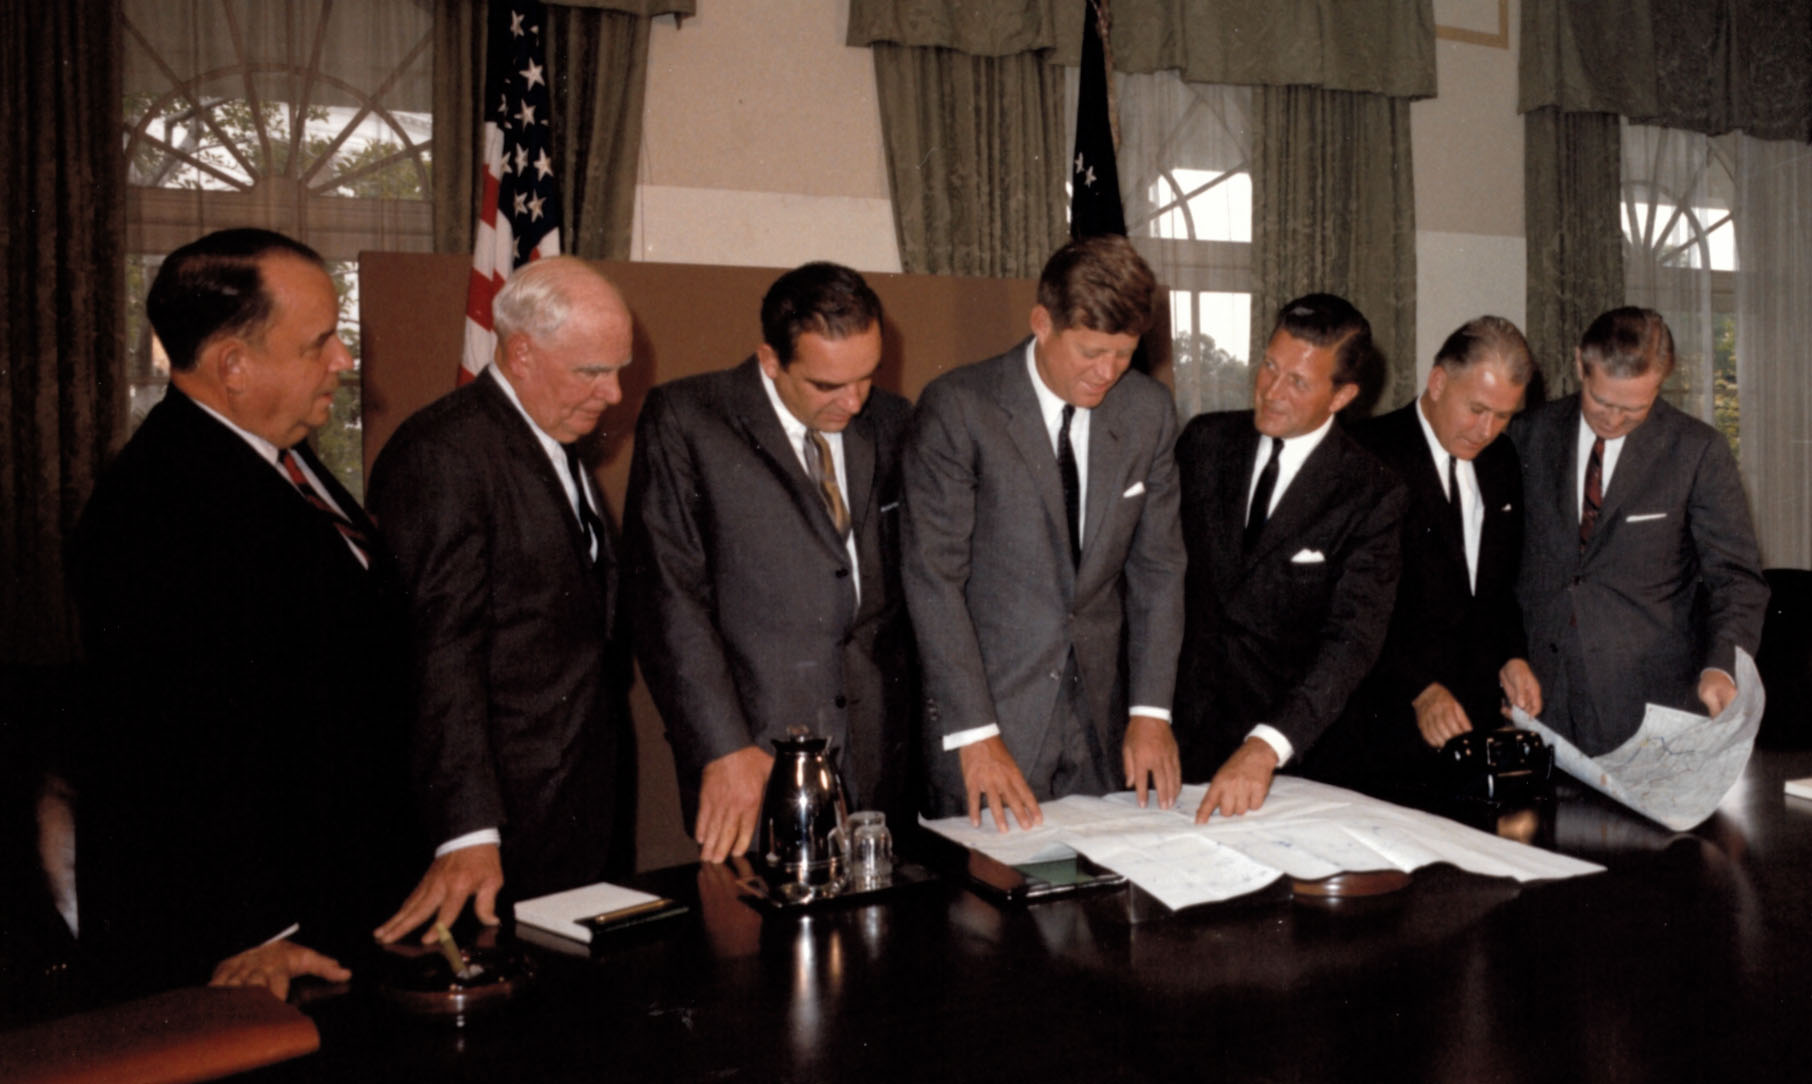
[{"x": 1308, "y": 557}]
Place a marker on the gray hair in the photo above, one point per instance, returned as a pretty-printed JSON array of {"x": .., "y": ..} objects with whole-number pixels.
[{"x": 537, "y": 300}]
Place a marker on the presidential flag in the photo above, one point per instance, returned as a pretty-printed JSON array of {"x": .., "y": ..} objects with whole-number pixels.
[
  {"x": 1094, "y": 175},
  {"x": 519, "y": 208}
]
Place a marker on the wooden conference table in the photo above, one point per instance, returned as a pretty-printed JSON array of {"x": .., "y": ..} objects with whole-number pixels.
[{"x": 1690, "y": 958}]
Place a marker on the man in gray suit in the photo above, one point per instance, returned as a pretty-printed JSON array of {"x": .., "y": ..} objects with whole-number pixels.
[
  {"x": 1043, "y": 563},
  {"x": 763, "y": 528},
  {"x": 1640, "y": 574}
]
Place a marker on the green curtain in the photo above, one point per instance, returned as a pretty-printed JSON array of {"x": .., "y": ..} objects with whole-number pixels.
[
  {"x": 1708, "y": 66},
  {"x": 1571, "y": 199},
  {"x": 1333, "y": 208},
  {"x": 62, "y": 276},
  {"x": 597, "y": 65},
  {"x": 598, "y": 72},
  {"x": 1382, "y": 46},
  {"x": 975, "y": 159}
]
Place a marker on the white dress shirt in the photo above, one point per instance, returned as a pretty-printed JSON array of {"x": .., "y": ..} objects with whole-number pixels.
[{"x": 1472, "y": 505}]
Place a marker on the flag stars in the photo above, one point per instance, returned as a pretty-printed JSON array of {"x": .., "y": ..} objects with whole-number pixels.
[
  {"x": 544, "y": 166},
  {"x": 526, "y": 116},
  {"x": 535, "y": 209},
  {"x": 532, "y": 75},
  {"x": 516, "y": 24},
  {"x": 521, "y": 204},
  {"x": 521, "y": 158}
]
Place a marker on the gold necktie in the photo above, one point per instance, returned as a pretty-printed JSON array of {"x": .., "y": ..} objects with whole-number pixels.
[{"x": 823, "y": 469}]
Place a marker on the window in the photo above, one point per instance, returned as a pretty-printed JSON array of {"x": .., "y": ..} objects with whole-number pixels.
[
  {"x": 1186, "y": 182},
  {"x": 303, "y": 116},
  {"x": 1680, "y": 258}
]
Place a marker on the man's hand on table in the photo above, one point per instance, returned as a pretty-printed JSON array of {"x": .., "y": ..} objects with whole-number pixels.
[
  {"x": 1150, "y": 753},
  {"x": 474, "y": 873},
  {"x": 1439, "y": 716},
  {"x": 1242, "y": 783},
  {"x": 990, "y": 772},
  {"x": 272, "y": 966},
  {"x": 729, "y": 802}
]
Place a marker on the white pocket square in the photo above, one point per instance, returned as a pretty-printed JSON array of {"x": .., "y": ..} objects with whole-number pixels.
[
  {"x": 1308, "y": 557},
  {"x": 1645, "y": 517},
  {"x": 1133, "y": 490},
  {"x": 1505, "y": 508}
]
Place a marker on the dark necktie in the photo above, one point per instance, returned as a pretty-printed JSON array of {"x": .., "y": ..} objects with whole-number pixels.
[
  {"x": 1072, "y": 484},
  {"x": 1261, "y": 497},
  {"x": 589, "y": 523},
  {"x": 823, "y": 469},
  {"x": 1594, "y": 494},
  {"x": 287, "y": 460}
]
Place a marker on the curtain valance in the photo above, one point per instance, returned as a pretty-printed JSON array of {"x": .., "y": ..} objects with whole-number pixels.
[
  {"x": 1711, "y": 67},
  {"x": 1379, "y": 46}
]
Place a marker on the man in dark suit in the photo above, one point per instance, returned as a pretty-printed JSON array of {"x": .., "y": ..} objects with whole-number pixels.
[
  {"x": 1043, "y": 566},
  {"x": 520, "y": 679},
  {"x": 763, "y": 519},
  {"x": 1455, "y": 647},
  {"x": 242, "y": 625},
  {"x": 1640, "y": 574},
  {"x": 1293, "y": 532}
]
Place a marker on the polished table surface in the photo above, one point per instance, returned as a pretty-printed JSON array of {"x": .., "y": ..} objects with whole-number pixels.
[{"x": 1688, "y": 959}]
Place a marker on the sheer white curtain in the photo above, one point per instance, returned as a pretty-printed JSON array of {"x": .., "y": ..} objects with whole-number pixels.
[
  {"x": 1186, "y": 183},
  {"x": 1774, "y": 343},
  {"x": 1718, "y": 238},
  {"x": 1678, "y": 248}
]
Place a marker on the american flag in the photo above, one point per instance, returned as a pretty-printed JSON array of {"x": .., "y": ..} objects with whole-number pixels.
[{"x": 519, "y": 210}]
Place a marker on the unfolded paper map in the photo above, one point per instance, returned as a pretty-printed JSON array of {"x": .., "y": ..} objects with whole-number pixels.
[
  {"x": 1678, "y": 766},
  {"x": 1305, "y": 830}
]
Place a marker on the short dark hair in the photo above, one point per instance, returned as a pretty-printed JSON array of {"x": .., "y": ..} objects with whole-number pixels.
[
  {"x": 1627, "y": 342},
  {"x": 1098, "y": 283},
  {"x": 213, "y": 286},
  {"x": 1488, "y": 337},
  {"x": 827, "y": 299},
  {"x": 1327, "y": 320}
]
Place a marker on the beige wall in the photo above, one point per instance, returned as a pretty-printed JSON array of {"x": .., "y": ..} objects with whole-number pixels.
[
  {"x": 762, "y": 141},
  {"x": 762, "y": 147},
  {"x": 1468, "y": 146}
]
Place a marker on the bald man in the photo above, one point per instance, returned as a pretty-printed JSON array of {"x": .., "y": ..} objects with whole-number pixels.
[{"x": 500, "y": 532}]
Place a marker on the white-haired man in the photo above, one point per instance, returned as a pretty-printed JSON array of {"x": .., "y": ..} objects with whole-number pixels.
[{"x": 512, "y": 579}]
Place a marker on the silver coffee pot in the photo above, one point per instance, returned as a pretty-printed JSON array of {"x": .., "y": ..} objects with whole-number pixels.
[{"x": 802, "y": 815}]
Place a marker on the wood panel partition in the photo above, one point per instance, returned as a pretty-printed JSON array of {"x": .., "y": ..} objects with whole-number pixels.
[{"x": 688, "y": 319}]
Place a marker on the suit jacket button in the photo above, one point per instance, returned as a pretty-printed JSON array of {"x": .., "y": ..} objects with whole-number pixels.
[
  {"x": 842, "y": 701},
  {"x": 842, "y": 572}
]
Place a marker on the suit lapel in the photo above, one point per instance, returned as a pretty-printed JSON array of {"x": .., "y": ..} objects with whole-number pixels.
[
  {"x": 859, "y": 465},
  {"x": 1105, "y": 448},
  {"x": 1641, "y": 453},
  {"x": 531, "y": 459},
  {"x": 761, "y": 427},
  {"x": 1235, "y": 483},
  {"x": 1025, "y": 425},
  {"x": 1296, "y": 509}
]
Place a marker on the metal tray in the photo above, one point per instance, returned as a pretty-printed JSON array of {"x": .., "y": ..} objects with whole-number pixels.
[{"x": 758, "y": 893}]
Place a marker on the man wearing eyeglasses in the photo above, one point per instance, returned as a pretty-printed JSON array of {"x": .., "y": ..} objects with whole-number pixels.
[{"x": 1640, "y": 574}]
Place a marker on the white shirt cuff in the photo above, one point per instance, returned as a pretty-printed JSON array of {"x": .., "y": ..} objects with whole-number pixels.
[
  {"x": 1273, "y": 737},
  {"x": 970, "y": 736},
  {"x": 1155, "y": 713},
  {"x": 470, "y": 839}
]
